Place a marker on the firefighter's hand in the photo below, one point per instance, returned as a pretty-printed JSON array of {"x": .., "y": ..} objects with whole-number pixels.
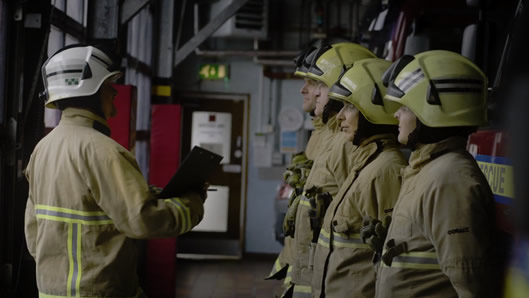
[
  {"x": 204, "y": 192},
  {"x": 373, "y": 232},
  {"x": 155, "y": 190}
]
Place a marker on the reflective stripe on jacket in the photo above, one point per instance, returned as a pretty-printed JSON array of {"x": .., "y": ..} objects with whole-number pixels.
[
  {"x": 319, "y": 176},
  {"x": 342, "y": 262},
  {"x": 87, "y": 203},
  {"x": 440, "y": 239}
]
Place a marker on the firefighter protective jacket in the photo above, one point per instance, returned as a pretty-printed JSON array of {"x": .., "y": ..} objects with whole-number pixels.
[
  {"x": 283, "y": 264},
  {"x": 440, "y": 239},
  {"x": 333, "y": 146},
  {"x": 313, "y": 145},
  {"x": 87, "y": 203},
  {"x": 343, "y": 265}
]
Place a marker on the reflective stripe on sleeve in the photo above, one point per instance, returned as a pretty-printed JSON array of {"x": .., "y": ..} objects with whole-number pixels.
[
  {"x": 184, "y": 214},
  {"x": 288, "y": 279},
  {"x": 415, "y": 260},
  {"x": 72, "y": 216},
  {"x": 323, "y": 239},
  {"x": 277, "y": 267},
  {"x": 75, "y": 219},
  {"x": 305, "y": 201},
  {"x": 348, "y": 241},
  {"x": 341, "y": 240},
  {"x": 302, "y": 291},
  {"x": 74, "y": 256}
]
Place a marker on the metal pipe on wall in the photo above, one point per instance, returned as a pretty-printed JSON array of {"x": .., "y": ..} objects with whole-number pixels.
[
  {"x": 181, "y": 24},
  {"x": 260, "y": 100},
  {"x": 253, "y": 53},
  {"x": 355, "y": 20}
]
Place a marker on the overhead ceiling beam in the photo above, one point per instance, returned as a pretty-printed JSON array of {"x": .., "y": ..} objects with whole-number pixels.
[
  {"x": 130, "y": 8},
  {"x": 209, "y": 29}
]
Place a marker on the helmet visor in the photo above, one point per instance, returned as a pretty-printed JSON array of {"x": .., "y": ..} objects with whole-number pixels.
[
  {"x": 313, "y": 58},
  {"x": 298, "y": 61},
  {"x": 340, "y": 90},
  {"x": 394, "y": 90},
  {"x": 44, "y": 94},
  {"x": 391, "y": 73}
]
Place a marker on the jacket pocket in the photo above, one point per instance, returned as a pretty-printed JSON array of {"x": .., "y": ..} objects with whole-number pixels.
[
  {"x": 342, "y": 224},
  {"x": 401, "y": 225},
  {"x": 312, "y": 252}
]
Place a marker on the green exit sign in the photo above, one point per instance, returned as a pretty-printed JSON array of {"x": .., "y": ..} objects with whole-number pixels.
[{"x": 213, "y": 71}]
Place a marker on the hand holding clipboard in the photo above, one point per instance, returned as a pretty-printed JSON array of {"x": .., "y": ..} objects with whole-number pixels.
[{"x": 197, "y": 167}]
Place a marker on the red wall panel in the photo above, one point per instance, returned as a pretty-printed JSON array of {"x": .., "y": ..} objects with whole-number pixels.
[
  {"x": 164, "y": 160},
  {"x": 123, "y": 125}
]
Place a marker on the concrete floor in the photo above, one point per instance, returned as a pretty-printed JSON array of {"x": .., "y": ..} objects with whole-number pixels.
[{"x": 226, "y": 278}]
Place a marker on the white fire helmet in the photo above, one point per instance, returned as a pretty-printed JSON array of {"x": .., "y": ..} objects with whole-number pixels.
[{"x": 75, "y": 72}]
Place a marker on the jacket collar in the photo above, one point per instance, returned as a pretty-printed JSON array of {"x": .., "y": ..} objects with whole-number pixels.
[
  {"x": 318, "y": 123},
  {"x": 369, "y": 149},
  {"x": 427, "y": 152},
  {"x": 332, "y": 124},
  {"x": 82, "y": 117}
]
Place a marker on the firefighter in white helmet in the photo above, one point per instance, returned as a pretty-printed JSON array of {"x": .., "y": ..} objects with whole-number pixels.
[{"x": 88, "y": 200}]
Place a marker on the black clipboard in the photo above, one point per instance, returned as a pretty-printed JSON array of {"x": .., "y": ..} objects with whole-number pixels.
[{"x": 196, "y": 168}]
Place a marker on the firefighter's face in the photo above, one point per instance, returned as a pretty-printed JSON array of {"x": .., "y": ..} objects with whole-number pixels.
[
  {"x": 407, "y": 123},
  {"x": 322, "y": 98},
  {"x": 309, "y": 95},
  {"x": 108, "y": 93},
  {"x": 348, "y": 119}
]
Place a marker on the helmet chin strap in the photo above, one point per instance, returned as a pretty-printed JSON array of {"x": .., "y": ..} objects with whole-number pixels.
[
  {"x": 423, "y": 134},
  {"x": 91, "y": 103},
  {"x": 367, "y": 129},
  {"x": 413, "y": 137}
]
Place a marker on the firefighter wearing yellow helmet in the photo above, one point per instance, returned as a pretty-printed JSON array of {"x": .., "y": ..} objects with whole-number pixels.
[
  {"x": 331, "y": 165},
  {"x": 297, "y": 172},
  {"x": 342, "y": 262},
  {"x": 440, "y": 241}
]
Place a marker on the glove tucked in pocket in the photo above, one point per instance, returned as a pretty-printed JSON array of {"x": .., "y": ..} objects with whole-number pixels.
[{"x": 290, "y": 218}]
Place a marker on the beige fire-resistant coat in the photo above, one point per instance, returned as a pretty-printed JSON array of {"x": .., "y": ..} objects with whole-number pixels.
[
  {"x": 314, "y": 145},
  {"x": 329, "y": 171},
  {"x": 87, "y": 203},
  {"x": 439, "y": 242},
  {"x": 343, "y": 264},
  {"x": 282, "y": 268}
]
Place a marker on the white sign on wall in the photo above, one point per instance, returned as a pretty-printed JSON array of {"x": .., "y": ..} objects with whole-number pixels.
[
  {"x": 215, "y": 211},
  {"x": 212, "y": 131}
]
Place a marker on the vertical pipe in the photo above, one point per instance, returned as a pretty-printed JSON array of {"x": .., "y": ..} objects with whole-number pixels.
[
  {"x": 351, "y": 3},
  {"x": 195, "y": 19},
  {"x": 180, "y": 24},
  {"x": 260, "y": 100},
  {"x": 300, "y": 41},
  {"x": 356, "y": 20}
]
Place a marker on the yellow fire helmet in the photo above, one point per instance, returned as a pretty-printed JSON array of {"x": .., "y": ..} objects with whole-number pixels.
[
  {"x": 362, "y": 86},
  {"x": 331, "y": 61},
  {"x": 442, "y": 88},
  {"x": 302, "y": 64}
]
